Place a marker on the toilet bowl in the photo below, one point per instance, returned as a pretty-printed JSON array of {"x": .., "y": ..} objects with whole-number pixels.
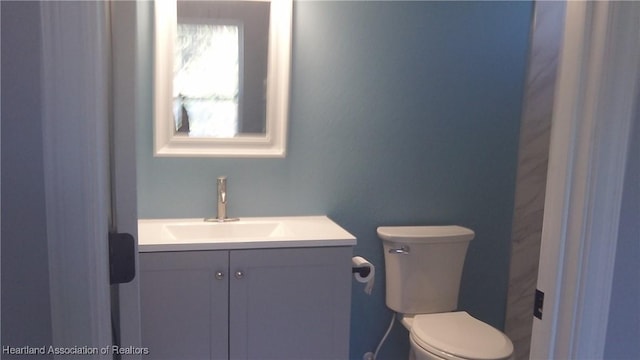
[
  {"x": 455, "y": 336},
  {"x": 423, "y": 271}
]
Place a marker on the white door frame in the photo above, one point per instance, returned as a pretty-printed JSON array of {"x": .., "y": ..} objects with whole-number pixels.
[
  {"x": 78, "y": 101},
  {"x": 128, "y": 97},
  {"x": 75, "y": 78},
  {"x": 594, "y": 103}
]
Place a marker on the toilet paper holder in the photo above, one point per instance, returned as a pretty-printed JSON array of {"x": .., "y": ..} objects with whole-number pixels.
[{"x": 361, "y": 270}]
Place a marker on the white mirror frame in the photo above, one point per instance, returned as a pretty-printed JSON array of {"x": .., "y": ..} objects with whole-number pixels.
[{"x": 273, "y": 143}]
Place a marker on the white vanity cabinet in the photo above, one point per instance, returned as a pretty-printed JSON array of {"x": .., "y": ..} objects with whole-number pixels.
[
  {"x": 183, "y": 306},
  {"x": 281, "y": 303}
]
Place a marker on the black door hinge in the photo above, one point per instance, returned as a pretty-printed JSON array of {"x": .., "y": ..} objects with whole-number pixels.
[
  {"x": 122, "y": 259},
  {"x": 538, "y": 303}
]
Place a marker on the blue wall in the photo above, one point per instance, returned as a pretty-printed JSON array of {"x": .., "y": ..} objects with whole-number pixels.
[{"x": 401, "y": 113}]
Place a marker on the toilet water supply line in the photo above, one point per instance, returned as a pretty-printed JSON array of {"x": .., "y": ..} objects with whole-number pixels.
[{"x": 374, "y": 356}]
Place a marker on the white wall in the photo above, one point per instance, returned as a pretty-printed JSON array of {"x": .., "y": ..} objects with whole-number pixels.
[{"x": 623, "y": 330}]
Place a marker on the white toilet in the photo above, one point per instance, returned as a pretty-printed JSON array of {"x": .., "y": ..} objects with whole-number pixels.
[{"x": 423, "y": 271}]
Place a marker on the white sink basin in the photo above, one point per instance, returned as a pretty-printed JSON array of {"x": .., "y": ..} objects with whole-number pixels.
[
  {"x": 213, "y": 230},
  {"x": 247, "y": 233}
]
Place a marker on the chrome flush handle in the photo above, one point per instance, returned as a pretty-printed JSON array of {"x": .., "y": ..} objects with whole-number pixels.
[{"x": 403, "y": 250}]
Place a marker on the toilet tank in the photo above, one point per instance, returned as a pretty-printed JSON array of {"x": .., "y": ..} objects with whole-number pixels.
[{"x": 423, "y": 266}]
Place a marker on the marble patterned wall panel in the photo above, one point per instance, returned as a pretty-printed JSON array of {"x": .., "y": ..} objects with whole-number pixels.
[{"x": 532, "y": 172}]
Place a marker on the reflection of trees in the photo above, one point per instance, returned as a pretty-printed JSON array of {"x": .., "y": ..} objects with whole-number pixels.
[
  {"x": 206, "y": 79},
  {"x": 206, "y": 61},
  {"x": 194, "y": 40}
]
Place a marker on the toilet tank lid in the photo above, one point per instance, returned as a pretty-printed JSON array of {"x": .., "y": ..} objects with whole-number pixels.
[{"x": 425, "y": 234}]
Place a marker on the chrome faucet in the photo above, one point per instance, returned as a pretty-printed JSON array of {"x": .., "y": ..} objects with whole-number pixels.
[{"x": 222, "y": 202}]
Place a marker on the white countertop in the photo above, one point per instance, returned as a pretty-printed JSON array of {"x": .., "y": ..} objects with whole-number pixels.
[{"x": 248, "y": 233}]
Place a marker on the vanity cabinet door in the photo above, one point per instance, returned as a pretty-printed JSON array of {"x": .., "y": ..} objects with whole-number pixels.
[
  {"x": 290, "y": 303},
  {"x": 184, "y": 304}
]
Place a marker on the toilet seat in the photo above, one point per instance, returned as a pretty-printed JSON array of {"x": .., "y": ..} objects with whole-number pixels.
[{"x": 458, "y": 335}]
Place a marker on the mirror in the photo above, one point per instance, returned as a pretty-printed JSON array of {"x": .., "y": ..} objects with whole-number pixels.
[{"x": 221, "y": 78}]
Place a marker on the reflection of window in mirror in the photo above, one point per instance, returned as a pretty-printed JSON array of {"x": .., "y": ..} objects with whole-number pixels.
[
  {"x": 220, "y": 68},
  {"x": 207, "y": 69}
]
